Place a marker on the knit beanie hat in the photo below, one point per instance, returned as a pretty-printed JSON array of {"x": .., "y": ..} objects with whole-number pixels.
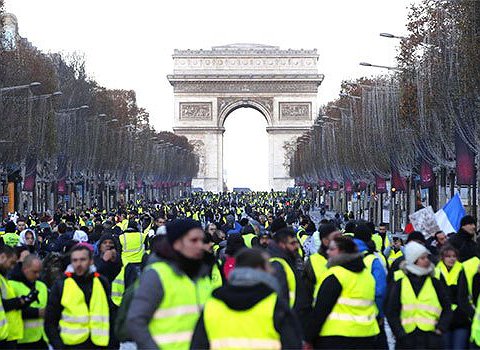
[
  {"x": 178, "y": 228},
  {"x": 467, "y": 220},
  {"x": 416, "y": 236},
  {"x": 363, "y": 233},
  {"x": 277, "y": 224},
  {"x": 413, "y": 251},
  {"x": 325, "y": 229}
]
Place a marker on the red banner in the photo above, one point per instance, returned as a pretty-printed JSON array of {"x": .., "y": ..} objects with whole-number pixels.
[{"x": 380, "y": 184}]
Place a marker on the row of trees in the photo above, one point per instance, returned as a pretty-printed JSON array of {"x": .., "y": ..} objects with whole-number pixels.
[
  {"x": 69, "y": 128},
  {"x": 418, "y": 120}
]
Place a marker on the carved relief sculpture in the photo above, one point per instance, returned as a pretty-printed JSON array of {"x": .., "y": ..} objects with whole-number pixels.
[
  {"x": 295, "y": 110},
  {"x": 195, "y": 111}
]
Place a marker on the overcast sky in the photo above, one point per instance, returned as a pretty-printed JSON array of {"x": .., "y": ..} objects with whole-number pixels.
[{"x": 128, "y": 44}]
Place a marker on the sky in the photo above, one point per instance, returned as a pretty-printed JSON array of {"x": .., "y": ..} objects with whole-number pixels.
[{"x": 128, "y": 44}]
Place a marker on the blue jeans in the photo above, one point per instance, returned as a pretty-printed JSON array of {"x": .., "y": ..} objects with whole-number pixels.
[{"x": 456, "y": 339}]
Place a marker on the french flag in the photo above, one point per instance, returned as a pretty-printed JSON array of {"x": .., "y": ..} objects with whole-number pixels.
[{"x": 449, "y": 217}]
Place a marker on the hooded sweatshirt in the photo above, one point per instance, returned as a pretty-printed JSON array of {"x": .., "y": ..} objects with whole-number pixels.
[{"x": 246, "y": 288}]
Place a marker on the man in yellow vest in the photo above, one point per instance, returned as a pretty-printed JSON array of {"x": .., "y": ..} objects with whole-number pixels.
[
  {"x": 284, "y": 258},
  {"x": 344, "y": 317},
  {"x": 11, "y": 324},
  {"x": 79, "y": 309},
  {"x": 172, "y": 290},
  {"x": 247, "y": 313},
  {"x": 133, "y": 244},
  {"x": 24, "y": 281},
  {"x": 316, "y": 265}
]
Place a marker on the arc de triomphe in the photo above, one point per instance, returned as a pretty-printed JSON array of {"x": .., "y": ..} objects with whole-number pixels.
[{"x": 210, "y": 84}]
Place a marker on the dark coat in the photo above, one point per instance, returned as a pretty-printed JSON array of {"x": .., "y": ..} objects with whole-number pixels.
[
  {"x": 302, "y": 306},
  {"x": 465, "y": 245}
]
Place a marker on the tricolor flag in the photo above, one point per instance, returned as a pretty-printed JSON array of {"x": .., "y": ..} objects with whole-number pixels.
[{"x": 449, "y": 217}]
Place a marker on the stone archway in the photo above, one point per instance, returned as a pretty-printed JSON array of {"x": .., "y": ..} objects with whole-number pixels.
[{"x": 210, "y": 84}]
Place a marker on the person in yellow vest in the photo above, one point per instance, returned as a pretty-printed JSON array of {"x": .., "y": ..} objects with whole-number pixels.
[
  {"x": 11, "y": 323},
  {"x": 283, "y": 250},
  {"x": 79, "y": 310},
  {"x": 166, "y": 318},
  {"x": 450, "y": 270},
  {"x": 394, "y": 251},
  {"x": 345, "y": 316},
  {"x": 132, "y": 242},
  {"x": 247, "y": 313},
  {"x": 249, "y": 236},
  {"x": 24, "y": 281},
  {"x": 316, "y": 265},
  {"x": 418, "y": 308},
  {"x": 11, "y": 237}
]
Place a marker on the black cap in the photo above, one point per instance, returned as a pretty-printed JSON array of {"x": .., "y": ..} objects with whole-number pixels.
[
  {"x": 325, "y": 229},
  {"x": 416, "y": 236},
  {"x": 178, "y": 228},
  {"x": 467, "y": 220}
]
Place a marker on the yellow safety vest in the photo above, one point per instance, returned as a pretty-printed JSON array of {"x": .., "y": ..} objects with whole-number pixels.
[
  {"x": 32, "y": 328},
  {"x": 355, "y": 312},
  {"x": 118, "y": 287},
  {"x": 247, "y": 239},
  {"x": 470, "y": 267},
  {"x": 173, "y": 322},
  {"x": 291, "y": 282},
  {"x": 11, "y": 239},
  {"x": 246, "y": 329},
  {"x": 14, "y": 317},
  {"x": 216, "y": 277},
  {"x": 422, "y": 311},
  {"x": 3, "y": 323},
  {"x": 394, "y": 256},
  {"x": 319, "y": 266},
  {"x": 475, "y": 329},
  {"x": 132, "y": 247},
  {"x": 79, "y": 321},
  {"x": 377, "y": 239},
  {"x": 450, "y": 276}
]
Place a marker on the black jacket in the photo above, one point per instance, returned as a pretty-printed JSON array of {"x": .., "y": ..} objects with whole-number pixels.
[
  {"x": 309, "y": 277},
  {"x": 53, "y": 312},
  {"x": 465, "y": 244},
  {"x": 243, "y": 298},
  {"x": 393, "y": 305},
  {"x": 302, "y": 306}
]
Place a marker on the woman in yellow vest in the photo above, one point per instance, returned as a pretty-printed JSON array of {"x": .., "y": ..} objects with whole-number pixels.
[
  {"x": 418, "y": 308},
  {"x": 450, "y": 271},
  {"x": 247, "y": 313},
  {"x": 345, "y": 314}
]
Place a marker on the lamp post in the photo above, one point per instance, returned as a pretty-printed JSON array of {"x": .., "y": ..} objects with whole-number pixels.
[
  {"x": 20, "y": 87},
  {"x": 366, "y": 64}
]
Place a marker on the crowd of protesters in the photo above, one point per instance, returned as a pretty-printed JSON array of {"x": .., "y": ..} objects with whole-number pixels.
[{"x": 233, "y": 271}]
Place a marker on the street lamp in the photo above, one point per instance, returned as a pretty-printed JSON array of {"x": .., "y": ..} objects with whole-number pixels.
[
  {"x": 19, "y": 87},
  {"x": 45, "y": 96},
  {"x": 366, "y": 64},
  {"x": 391, "y": 36},
  {"x": 326, "y": 117},
  {"x": 67, "y": 110},
  {"x": 350, "y": 96}
]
